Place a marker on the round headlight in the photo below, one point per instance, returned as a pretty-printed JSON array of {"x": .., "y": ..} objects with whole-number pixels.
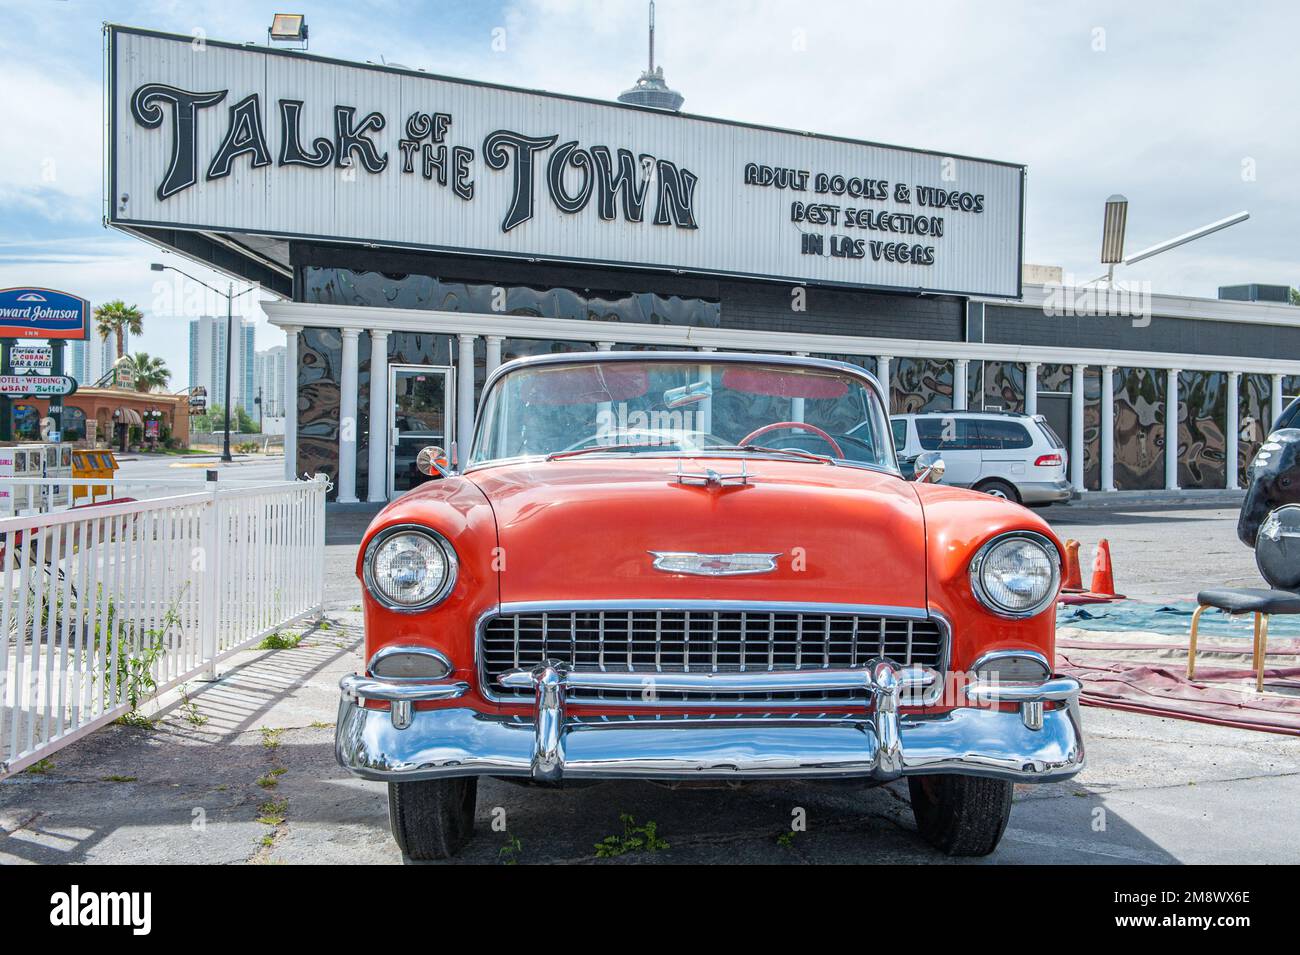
[
  {"x": 409, "y": 568},
  {"x": 1016, "y": 574}
]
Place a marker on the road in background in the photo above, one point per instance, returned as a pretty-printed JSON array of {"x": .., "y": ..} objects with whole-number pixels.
[
  {"x": 1158, "y": 552},
  {"x": 177, "y": 467}
]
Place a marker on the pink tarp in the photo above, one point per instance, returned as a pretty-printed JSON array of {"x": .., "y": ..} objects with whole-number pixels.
[{"x": 1147, "y": 673}]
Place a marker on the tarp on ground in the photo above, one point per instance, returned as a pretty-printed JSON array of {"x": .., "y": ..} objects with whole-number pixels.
[{"x": 1146, "y": 672}]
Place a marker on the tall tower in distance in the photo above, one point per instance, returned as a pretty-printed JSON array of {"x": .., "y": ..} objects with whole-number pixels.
[{"x": 650, "y": 89}]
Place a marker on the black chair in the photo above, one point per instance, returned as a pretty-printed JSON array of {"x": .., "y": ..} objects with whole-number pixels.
[{"x": 1277, "y": 555}]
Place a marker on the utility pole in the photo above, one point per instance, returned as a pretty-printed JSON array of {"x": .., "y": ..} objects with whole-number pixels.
[
  {"x": 230, "y": 297},
  {"x": 230, "y": 324}
]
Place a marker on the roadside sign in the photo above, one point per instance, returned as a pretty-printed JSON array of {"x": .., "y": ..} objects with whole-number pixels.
[
  {"x": 37, "y": 358},
  {"x": 40, "y": 386},
  {"x": 43, "y": 313}
]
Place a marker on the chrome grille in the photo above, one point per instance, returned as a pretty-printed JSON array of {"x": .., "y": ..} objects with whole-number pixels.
[{"x": 703, "y": 640}]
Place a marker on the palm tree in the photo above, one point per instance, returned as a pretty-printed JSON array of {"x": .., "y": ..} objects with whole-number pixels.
[
  {"x": 147, "y": 372},
  {"x": 117, "y": 318}
]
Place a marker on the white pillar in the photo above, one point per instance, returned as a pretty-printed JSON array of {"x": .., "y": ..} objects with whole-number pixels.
[
  {"x": 493, "y": 353},
  {"x": 882, "y": 373},
  {"x": 348, "y": 388},
  {"x": 1108, "y": 428},
  {"x": 1275, "y": 404},
  {"x": 1031, "y": 387},
  {"x": 1171, "y": 431},
  {"x": 604, "y": 346},
  {"x": 1076, "y": 428},
  {"x": 380, "y": 404},
  {"x": 1231, "y": 428},
  {"x": 464, "y": 397},
  {"x": 959, "y": 401},
  {"x": 291, "y": 401}
]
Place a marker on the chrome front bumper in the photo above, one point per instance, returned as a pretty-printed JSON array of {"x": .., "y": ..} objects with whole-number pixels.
[{"x": 1034, "y": 743}]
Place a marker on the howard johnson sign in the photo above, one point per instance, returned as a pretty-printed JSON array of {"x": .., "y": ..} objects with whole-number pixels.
[
  {"x": 223, "y": 138},
  {"x": 43, "y": 313}
]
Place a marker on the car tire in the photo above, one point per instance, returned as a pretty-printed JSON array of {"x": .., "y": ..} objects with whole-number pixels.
[
  {"x": 998, "y": 488},
  {"x": 961, "y": 815},
  {"x": 432, "y": 818}
]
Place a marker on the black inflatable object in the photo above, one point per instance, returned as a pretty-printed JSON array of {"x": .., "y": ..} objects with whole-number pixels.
[
  {"x": 1272, "y": 480},
  {"x": 1277, "y": 547}
]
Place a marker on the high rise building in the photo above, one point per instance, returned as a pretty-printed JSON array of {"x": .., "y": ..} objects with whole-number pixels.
[
  {"x": 89, "y": 361},
  {"x": 269, "y": 379},
  {"x": 208, "y": 361}
]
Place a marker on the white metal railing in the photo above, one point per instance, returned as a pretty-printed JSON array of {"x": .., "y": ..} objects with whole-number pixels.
[{"x": 104, "y": 606}]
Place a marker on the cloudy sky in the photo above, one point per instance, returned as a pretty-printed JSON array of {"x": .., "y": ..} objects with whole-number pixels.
[{"x": 1188, "y": 108}]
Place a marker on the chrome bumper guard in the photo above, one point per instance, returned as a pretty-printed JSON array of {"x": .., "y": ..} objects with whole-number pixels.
[{"x": 1034, "y": 744}]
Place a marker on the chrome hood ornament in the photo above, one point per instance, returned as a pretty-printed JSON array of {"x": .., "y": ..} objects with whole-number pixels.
[{"x": 713, "y": 565}]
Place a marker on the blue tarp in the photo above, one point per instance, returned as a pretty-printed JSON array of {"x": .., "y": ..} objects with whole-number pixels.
[{"x": 1171, "y": 618}]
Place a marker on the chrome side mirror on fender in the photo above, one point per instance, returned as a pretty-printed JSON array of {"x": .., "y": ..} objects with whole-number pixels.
[
  {"x": 432, "y": 462},
  {"x": 928, "y": 467}
]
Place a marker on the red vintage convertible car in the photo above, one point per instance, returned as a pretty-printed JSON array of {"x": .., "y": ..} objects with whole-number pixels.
[{"x": 640, "y": 543}]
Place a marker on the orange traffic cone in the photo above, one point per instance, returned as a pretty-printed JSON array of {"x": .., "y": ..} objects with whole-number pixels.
[
  {"x": 1103, "y": 575},
  {"x": 1072, "y": 582}
]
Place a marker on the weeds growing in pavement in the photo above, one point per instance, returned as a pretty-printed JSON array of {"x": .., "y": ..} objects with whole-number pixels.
[
  {"x": 634, "y": 839},
  {"x": 279, "y": 641}
]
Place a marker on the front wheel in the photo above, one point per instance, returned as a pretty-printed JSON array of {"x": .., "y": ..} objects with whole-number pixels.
[
  {"x": 960, "y": 815},
  {"x": 432, "y": 818}
]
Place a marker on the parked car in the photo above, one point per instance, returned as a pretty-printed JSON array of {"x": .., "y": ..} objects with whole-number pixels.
[
  {"x": 1014, "y": 456},
  {"x": 1289, "y": 418},
  {"x": 640, "y": 543}
]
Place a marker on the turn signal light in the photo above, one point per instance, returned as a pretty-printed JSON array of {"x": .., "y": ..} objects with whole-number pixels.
[{"x": 1047, "y": 460}]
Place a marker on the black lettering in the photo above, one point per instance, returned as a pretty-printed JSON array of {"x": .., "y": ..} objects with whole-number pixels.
[
  {"x": 461, "y": 184},
  {"x": 291, "y": 151},
  {"x": 568, "y": 154},
  {"x": 676, "y": 196},
  {"x": 182, "y": 171},
  {"x": 627, "y": 182},
  {"x": 497, "y": 150},
  {"x": 350, "y": 138}
]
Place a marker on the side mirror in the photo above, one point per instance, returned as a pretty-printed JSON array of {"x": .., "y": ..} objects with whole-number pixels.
[
  {"x": 432, "y": 462},
  {"x": 929, "y": 467}
]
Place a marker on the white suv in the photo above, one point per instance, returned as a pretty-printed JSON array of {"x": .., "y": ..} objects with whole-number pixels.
[{"x": 1002, "y": 453}]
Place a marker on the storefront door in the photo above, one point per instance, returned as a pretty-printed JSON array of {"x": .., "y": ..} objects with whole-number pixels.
[{"x": 422, "y": 414}]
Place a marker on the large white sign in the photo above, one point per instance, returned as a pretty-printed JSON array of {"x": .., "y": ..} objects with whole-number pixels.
[{"x": 223, "y": 138}]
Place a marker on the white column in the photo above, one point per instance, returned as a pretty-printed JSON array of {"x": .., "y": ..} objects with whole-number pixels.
[
  {"x": 604, "y": 346},
  {"x": 291, "y": 401},
  {"x": 1275, "y": 404},
  {"x": 379, "y": 407},
  {"x": 1231, "y": 428},
  {"x": 959, "y": 401},
  {"x": 1108, "y": 428},
  {"x": 348, "y": 388},
  {"x": 464, "y": 396},
  {"x": 1031, "y": 387},
  {"x": 882, "y": 372},
  {"x": 493, "y": 352},
  {"x": 1076, "y": 428},
  {"x": 1171, "y": 431}
]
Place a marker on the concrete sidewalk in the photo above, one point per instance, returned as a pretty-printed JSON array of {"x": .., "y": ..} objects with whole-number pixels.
[{"x": 257, "y": 782}]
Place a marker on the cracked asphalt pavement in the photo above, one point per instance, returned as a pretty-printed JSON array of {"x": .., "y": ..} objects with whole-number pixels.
[{"x": 247, "y": 773}]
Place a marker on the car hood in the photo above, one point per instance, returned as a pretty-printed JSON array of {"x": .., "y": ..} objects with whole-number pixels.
[{"x": 584, "y": 529}]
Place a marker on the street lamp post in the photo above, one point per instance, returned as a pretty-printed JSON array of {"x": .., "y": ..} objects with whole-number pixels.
[{"x": 229, "y": 295}]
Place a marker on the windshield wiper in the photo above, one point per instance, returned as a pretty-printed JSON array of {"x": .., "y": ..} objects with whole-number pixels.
[
  {"x": 573, "y": 452},
  {"x": 760, "y": 449}
]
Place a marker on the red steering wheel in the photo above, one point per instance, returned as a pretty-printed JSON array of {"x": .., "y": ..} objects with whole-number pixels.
[{"x": 796, "y": 425}]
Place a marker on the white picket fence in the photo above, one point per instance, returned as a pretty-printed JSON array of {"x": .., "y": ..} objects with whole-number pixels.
[{"x": 104, "y": 606}]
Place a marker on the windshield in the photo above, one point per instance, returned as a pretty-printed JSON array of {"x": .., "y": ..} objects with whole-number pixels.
[{"x": 656, "y": 406}]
